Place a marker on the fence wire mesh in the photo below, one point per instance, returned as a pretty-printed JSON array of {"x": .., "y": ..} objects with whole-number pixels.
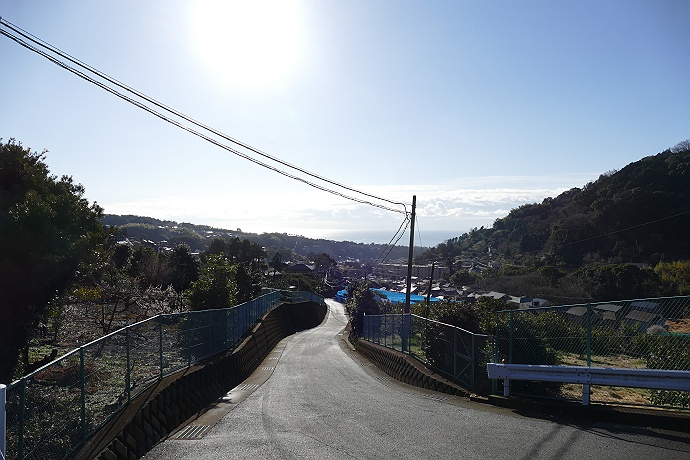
[
  {"x": 648, "y": 333},
  {"x": 459, "y": 355},
  {"x": 53, "y": 410}
]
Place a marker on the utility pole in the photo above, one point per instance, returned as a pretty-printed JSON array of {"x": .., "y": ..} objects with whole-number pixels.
[
  {"x": 406, "y": 317},
  {"x": 409, "y": 257},
  {"x": 428, "y": 292}
]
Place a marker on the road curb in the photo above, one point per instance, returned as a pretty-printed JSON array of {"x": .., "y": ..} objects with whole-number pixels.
[{"x": 665, "y": 419}]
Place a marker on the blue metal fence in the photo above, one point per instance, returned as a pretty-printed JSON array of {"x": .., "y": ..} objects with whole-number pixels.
[
  {"x": 459, "y": 355},
  {"x": 53, "y": 410}
]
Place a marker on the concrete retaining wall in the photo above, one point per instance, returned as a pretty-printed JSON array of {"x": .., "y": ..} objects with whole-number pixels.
[
  {"x": 159, "y": 410},
  {"x": 407, "y": 369}
]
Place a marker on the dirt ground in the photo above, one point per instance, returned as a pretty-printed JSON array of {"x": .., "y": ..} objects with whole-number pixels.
[{"x": 681, "y": 326}]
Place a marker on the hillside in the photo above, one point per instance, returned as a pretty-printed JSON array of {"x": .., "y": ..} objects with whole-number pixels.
[
  {"x": 292, "y": 247},
  {"x": 639, "y": 214}
]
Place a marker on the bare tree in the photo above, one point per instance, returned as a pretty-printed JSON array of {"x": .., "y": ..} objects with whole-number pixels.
[{"x": 682, "y": 146}]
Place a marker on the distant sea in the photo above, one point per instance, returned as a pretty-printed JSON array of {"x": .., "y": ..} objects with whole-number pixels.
[{"x": 427, "y": 238}]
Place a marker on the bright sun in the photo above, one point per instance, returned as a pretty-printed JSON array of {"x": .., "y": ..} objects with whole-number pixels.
[{"x": 250, "y": 43}]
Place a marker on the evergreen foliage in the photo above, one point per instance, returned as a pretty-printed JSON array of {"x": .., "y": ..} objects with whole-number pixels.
[
  {"x": 46, "y": 228},
  {"x": 361, "y": 301}
]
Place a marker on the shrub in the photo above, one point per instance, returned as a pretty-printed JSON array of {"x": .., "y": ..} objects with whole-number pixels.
[{"x": 669, "y": 351}]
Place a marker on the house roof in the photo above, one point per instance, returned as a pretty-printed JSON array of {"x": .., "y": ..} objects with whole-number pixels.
[
  {"x": 609, "y": 307},
  {"x": 496, "y": 295},
  {"x": 577, "y": 311},
  {"x": 608, "y": 316},
  {"x": 299, "y": 268},
  {"x": 519, "y": 299},
  {"x": 537, "y": 302},
  {"x": 644, "y": 305},
  {"x": 641, "y": 316}
]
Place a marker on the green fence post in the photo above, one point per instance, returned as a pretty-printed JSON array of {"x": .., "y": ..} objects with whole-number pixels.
[
  {"x": 385, "y": 330},
  {"x": 160, "y": 346},
  {"x": 494, "y": 343},
  {"x": 474, "y": 362},
  {"x": 190, "y": 337},
  {"x": 494, "y": 382},
  {"x": 226, "y": 338},
  {"x": 210, "y": 334},
  {"x": 510, "y": 339},
  {"x": 83, "y": 394},
  {"x": 495, "y": 339},
  {"x": 22, "y": 403},
  {"x": 128, "y": 374},
  {"x": 405, "y": 334},
  {"x": 589, "y": 334},
  {"x": 425, "y": 342},
  {"x": 455, "y": 354}
]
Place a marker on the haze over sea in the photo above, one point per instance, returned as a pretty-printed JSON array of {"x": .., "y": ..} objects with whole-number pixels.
[{"x": 426, "y": 238}]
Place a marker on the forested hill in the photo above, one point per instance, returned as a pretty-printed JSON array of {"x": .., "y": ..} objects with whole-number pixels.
[
  {"x": 639, "y": 214},
  {"x": 291, "y": 247}
]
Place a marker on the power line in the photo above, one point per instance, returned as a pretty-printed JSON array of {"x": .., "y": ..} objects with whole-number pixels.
[
  {"x": 393, "y": 242},
  {"x": 150, "y": 100},
  {"x": 419, "y": 235},
  {"x": 570, "y": 243},
  {"x": 626, "y": 229}
]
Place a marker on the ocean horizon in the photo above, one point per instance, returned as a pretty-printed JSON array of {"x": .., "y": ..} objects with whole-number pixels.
[{"x": 427, "y": 238}]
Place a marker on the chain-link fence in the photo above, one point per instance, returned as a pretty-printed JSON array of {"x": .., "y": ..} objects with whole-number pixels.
[
  {"x": 648, "y": 333},
  {"x": 459, "y": 355},
  {"x": 53, "y": 410}
]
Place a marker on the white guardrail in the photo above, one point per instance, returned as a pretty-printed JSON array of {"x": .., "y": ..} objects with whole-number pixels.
[
  {"x": 653, "y": 379},
  {"x": 3, "y": 425}
]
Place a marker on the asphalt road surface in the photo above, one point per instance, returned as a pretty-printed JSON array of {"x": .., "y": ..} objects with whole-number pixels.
[{"x": 313, "y": 398}]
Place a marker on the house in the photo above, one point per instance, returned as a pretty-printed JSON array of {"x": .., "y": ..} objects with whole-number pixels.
[
  {"x": 302, "y": 269},
  {"x": 519, "y": 299},
  {"x": 496, "y": 295},
  {"x": 577, "y": 315},
  {"x": 645, "y": 305},
  {"x": 643, "y": 320},
  {"x": 538, "y": 303},
  {"x": 608, "y": 314}
]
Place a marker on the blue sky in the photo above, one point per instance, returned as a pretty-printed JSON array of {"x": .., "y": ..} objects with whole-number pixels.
[{"x": 474, "y": 107}]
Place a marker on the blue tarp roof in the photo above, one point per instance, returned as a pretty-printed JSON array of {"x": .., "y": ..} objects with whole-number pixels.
[{"x": 393, "y": 297}]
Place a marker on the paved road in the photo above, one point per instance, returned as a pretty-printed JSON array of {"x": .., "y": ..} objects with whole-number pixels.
[{"x": 313, "y": 398}]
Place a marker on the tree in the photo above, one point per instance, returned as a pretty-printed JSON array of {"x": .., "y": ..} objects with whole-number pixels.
[
  {"x": 458, "y": 314},
  {"x": 361, "y": 301},
  {"x": 216, "y": 287},
  {"x": 184, "y": 268},
  {"x": 682, "y": 146},
  {"x": 323, "y": 262},
  {"x": 675, "y": 276},
  {"x": 463, "y": 278},
  {"x": 294, "y": 281},
  {"x": 277, "y": 262},
  {"x": 46, "y": 227},
  {"x": 248, "y": 283},
  {"x": 621, "y": 281}
]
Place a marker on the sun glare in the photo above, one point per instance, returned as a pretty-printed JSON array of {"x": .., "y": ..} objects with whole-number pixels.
[{"x": 250, "y": 43}]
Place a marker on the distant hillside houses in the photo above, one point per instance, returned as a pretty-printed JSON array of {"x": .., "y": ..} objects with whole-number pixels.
[
  {"x": 393, "y": 271},
  {"x": 641, "y": 315},
  {"x": 523, "y": 302}
]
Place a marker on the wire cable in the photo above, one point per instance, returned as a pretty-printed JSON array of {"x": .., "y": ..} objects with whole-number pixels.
[
  {"x": 419, "y": 234},
  {"x": 192, "y": 131},
  {"x": 393, "y": 242},
  {"x": 625, "y": 229},
  {"x": 179, "y": 114}
]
